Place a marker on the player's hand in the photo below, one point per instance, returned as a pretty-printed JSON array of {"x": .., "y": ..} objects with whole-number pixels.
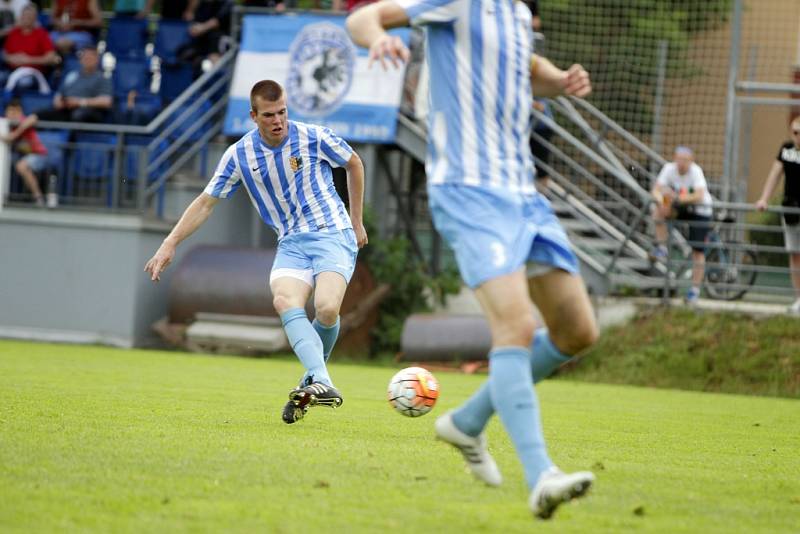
[
  {"x": 761, "y": 204},
  {"x": 391, "y": 46},
  {"x": 576, "y": 82},
  {"x": 361, "y": 233},
  {"x": 160, "y": 261}
]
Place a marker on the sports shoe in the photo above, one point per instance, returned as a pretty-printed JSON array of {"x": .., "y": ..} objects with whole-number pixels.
[
  {"x": 479, "y": 461},
  {"x": 555, "y": 488},
  {"x": 794, "y": 309},
  {"x": 692, "y": 296},
  {"x": 293, "y": 413},
  {"x": 314, "y": 394}
]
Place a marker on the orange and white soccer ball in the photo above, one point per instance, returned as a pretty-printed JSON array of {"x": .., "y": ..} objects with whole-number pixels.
[{"x": 413, "y": 391}]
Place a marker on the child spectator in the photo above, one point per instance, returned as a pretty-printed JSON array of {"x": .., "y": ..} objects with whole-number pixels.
[{"x": 25, "y": 142}]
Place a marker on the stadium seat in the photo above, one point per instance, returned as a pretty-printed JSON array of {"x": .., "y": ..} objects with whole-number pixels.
[
  {"x": 33, "y": 101},
  {"x": 170, "y": 37},
  {"x": 126, "y": 37},
  {"x": 174, "y": 80},
  {"x": 135, "y": 144},
  {"x": 91, "y": 166},
  {"x": 190, "y": 121},
  {"x": 131, "y": 74}
]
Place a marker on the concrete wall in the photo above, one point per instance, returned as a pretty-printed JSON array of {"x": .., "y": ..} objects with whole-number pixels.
[{"x": 77, "y": 276}]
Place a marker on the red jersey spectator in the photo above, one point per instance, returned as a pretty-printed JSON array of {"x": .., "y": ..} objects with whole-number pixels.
[
  {"x": 76, "y": 23},
  {"x": 28, "y": 44}
]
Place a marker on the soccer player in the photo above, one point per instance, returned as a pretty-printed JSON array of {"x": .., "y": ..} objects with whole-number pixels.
[
  {"x": 681, "y": 192},
  {"x": 483, "y": 200},
  {"x": 285, "y": 167}
]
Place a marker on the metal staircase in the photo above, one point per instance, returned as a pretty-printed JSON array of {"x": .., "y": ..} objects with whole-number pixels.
[{"x": 600, "y": 177}]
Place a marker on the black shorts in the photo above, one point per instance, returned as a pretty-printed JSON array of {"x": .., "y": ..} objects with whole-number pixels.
[{"x": 699, "y": 228}]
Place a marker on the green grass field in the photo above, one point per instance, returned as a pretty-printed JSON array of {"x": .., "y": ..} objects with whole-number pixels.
[{"x": 97, "y": 439}]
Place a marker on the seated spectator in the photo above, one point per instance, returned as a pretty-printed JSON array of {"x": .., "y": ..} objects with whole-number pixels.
[
  {"x": 29, "y": 45},
  {"x": 209, "y": 28},
  {"x": 10, "y": 12},
  {"x": 26, "y": 143},
  {"x": 178, "y": 9},
  {"x": 681, "y": 192},
  {"x": 76, "y": 24},
  {"x": 133, "y": 8},
  {"x": 84, "y": 95}
]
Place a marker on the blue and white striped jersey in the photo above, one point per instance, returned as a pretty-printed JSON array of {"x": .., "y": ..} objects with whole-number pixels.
[
  {"x": 291, "y": 185},
  {"x": 479, "y": 54}
]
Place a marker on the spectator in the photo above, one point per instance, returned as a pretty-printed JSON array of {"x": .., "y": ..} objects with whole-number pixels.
[
  {"x": 278, "y": 5},
  {"x": 178, "y": 9},
  {"x": 29, "y": 45},
  {"x": 536, "y": 21},
  {"x": 25, "y": 142},
  {"x": 539, "y": 151},
  {"x": 788, "y": 164},
  {"x": 10, "y": 13},
  {"x": 84, "y": 95},
  {"x": 681, "y": 192},
  {"x": 133, "y": 8},
  {"x": 209, "y": 28},
  {"x": 77, "y": 24}
]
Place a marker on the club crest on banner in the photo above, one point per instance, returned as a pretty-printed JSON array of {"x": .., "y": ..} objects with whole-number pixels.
[{"x": 322, "y": 62}]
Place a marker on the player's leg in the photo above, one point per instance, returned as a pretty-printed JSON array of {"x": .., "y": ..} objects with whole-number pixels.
[
  {"x": 508, "y": 310},
  {"x": 331, "y": 287},
  {"x": 564, "y": 304}
]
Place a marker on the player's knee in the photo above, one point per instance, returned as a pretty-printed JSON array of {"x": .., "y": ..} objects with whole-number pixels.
[
  {"x": 281, "y": 303},
  {"x": 516, "y": 331},
  {"x": 327, "y": 311},
  {"x": 576, "y": 337}
]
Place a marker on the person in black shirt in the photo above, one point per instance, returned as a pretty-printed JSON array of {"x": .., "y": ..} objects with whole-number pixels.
[{"x": 788, "y": 164}]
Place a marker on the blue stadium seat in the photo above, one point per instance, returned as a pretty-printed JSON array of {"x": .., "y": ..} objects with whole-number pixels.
[
  {"x": 91, "y": 166},
  {"x": 33, "y": 101},
  {"x": 131, "y": 74},
  {"x": 126, "y": 37},
  {"x": 174, "y": 81},
  {"x": 171, "y": 36}
]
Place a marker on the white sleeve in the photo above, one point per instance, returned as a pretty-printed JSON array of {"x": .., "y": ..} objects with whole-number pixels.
[
  {"x": 663, "y": 176},
  {"x": 698, "y": 178},
  {"x": 422, "y": 12},
  {"x": 227, "y": 177}
]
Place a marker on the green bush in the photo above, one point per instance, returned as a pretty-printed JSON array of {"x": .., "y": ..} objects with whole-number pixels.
[{"x": 413, "y": 288}]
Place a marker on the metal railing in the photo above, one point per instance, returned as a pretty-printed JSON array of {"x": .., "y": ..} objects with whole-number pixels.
[
  {"x": 744, "y": 257},
  {"x": 125, "y": 167}
]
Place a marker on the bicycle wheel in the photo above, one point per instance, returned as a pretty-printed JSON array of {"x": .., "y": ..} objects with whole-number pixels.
[{"x": 730, "y": 272}]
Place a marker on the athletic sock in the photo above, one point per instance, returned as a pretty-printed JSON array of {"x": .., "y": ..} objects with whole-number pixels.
[
  {"x": 328, "y": 335},
  {"x": 545, "y": 357},
  {"x": 472, "y": 416},
  {"x": 306, "y": 344},
  {"x": 514, "y": 398}
]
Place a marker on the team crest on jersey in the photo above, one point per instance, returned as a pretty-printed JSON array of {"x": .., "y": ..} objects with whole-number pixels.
[
  {"x": 322, "y": 61},
  {"x": 296, "y": 163}
]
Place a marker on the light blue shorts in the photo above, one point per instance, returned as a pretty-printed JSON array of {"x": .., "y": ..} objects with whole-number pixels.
[
  {"x": 306, "y": 254},
  {"x": 494, "y": 232}
]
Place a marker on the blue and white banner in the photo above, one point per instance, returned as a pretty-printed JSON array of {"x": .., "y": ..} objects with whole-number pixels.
[{"x": 325, "y": 76}]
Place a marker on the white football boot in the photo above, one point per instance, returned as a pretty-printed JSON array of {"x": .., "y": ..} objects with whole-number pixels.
[
  {"x": 475, "y": 452},
  {"x": 555, "y": 488}
]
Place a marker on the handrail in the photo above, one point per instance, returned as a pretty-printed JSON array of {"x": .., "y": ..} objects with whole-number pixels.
[{"x": 766, "y": 87}]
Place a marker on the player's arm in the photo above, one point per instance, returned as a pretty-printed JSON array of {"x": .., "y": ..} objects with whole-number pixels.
[
  {"x": 661, "y": 187},
  {"x": 355, "y": 191},
  {"x": 194, "y": 216},
  {"x": 547, "y": 80},
  {"x": 769, "y": 187},
  {"x": 367, "y": 27}
]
